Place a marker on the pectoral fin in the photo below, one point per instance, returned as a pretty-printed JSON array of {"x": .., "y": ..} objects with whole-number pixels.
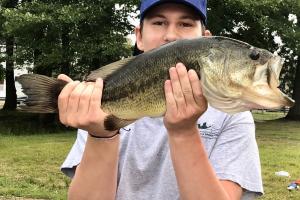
[{"x": 112, "y": 123}]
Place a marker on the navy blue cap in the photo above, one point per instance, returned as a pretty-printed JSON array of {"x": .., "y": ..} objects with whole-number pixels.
[{"x": 199, "y": 5}]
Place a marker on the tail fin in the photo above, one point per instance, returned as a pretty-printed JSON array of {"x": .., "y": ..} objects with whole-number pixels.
[{"x": 42, "y": 93}]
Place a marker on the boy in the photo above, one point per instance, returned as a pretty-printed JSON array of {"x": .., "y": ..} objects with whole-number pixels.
[{"x": 193, "y": 152}]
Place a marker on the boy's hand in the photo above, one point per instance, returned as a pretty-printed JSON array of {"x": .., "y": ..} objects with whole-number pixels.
[
  {"x": 184, "y": 100},
  {"x": 79, "y": 105}
]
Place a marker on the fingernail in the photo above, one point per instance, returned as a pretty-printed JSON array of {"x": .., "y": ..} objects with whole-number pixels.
[
  {"x": 99, "y": 81},
  {"x": 172, "y": 68},
  {"x": 192, "y": 71},
  {"x": 179, "y": 64}
]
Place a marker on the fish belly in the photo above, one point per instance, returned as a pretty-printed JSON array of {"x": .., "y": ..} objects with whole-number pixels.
[{"x": 150, "y": 102}]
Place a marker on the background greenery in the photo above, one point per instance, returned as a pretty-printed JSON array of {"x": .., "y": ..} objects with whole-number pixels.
[
  {"x": 29, "y": 163},
  {"x": 76, "y": 36}
]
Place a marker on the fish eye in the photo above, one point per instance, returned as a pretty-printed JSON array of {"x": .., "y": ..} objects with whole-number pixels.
[{"x": 254, "y": 55}]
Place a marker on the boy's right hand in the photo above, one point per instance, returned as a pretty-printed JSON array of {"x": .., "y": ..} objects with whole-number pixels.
[{"x": 79, "y": 105}]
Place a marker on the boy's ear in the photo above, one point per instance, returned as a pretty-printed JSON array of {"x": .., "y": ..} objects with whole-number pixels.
[
  {"x": 207, "y": 33},
  {"x": 138, "y": 35}
]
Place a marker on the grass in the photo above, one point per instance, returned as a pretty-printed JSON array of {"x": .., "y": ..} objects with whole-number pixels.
[
  {"x": 29, "y": 164},
  {"x": 279, "y": 144}
]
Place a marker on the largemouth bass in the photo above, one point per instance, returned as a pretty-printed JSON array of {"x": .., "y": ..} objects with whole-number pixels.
[{"x": 235, "y": 77}]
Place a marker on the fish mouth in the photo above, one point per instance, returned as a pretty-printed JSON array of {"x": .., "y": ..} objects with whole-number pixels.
[
  {"x": 274, "y": 67},
  {"x": 264, "y": 92}
]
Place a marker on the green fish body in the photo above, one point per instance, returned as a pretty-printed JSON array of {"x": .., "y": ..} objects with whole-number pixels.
[{"x": 235, "y": 77}]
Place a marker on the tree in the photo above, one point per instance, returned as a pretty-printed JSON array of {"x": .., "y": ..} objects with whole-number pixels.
[
  {"x": 64, "y": 36},
  {"x": 294, "y": 112},
  {"x": 11, "y": 96},
  {"x": 71, "y": 37}
]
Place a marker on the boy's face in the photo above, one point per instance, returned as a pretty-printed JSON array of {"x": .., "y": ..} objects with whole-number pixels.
[{"x": 166, "y": 23}]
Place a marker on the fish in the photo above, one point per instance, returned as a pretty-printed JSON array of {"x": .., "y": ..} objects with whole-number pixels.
[{"x": 235, "y": 77}]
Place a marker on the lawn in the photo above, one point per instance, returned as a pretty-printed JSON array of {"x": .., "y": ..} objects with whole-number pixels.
[
  {"x": 29, "y": 164},
  {"x": 279, "y": 145}
]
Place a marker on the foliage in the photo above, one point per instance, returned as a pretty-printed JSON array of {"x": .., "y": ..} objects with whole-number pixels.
[
  {"x": 77, "y": 35},
  {"x": 9, "y": 41}
]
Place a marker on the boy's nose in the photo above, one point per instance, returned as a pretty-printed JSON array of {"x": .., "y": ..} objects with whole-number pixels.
[{"x": 171, "y": 34}]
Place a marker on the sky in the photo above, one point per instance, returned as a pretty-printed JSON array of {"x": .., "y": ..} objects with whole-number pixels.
[{"x": 134, "y": 21}]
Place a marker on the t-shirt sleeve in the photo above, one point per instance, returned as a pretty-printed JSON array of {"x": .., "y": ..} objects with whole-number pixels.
[
  {"x": 74, "y": 157},
  {"x": 235, "y": 156}
]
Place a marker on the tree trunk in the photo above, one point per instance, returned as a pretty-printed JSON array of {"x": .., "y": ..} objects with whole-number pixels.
[
  {"x": 11, "y": 95},
  {"x": 294, "y": 112}
]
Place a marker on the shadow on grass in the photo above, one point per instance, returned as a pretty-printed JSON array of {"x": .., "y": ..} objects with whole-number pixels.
[{"x": 21, "y": 123}]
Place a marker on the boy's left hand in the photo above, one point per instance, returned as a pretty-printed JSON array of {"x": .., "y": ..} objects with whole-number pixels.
[{"x": 184, "y": 100}]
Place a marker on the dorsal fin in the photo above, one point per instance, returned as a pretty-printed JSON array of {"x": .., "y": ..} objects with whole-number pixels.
[{"x": 106, "y": 70}]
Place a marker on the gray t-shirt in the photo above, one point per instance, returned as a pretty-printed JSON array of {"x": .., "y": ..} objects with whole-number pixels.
[{"x": 145, "y": 167}]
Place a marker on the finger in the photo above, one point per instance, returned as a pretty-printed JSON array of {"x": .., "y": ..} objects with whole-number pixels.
[
  {"x": 96, "y": 96},
  {"x": 185, "y": 83},
  {"x": 64, "y": 78},
  {"x": 74, "y": 99},
  {"x": 176, "y": 88},
  {"x": 170, "y": 100},
  {"x": 84, "y": 102},
  {"x": 63, "y": 99},
  {"x": 196, "y": 87}
]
